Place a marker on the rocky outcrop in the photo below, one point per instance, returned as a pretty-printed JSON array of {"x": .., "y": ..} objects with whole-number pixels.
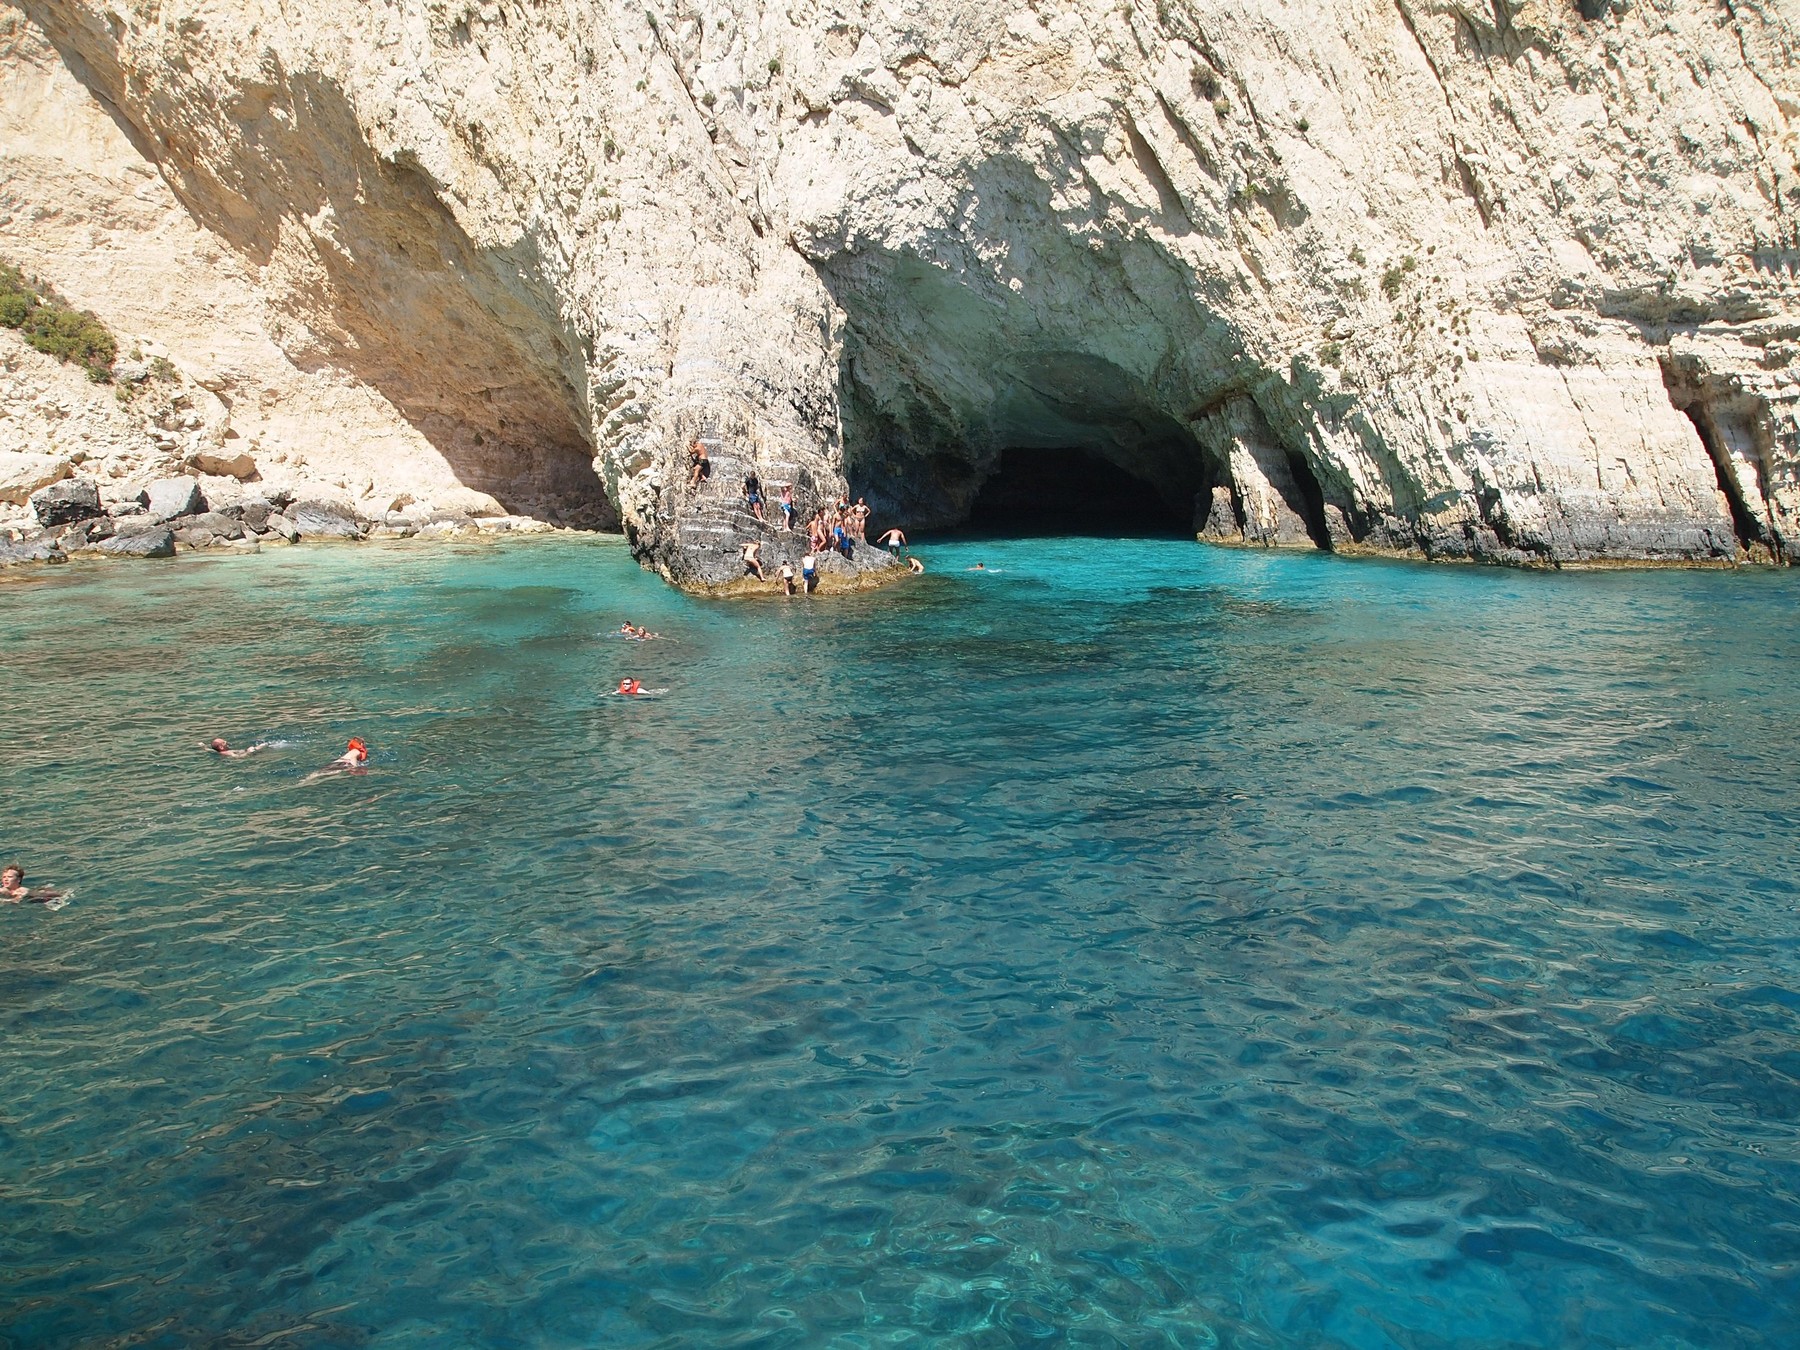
[{"x": 1508, "y": 282}]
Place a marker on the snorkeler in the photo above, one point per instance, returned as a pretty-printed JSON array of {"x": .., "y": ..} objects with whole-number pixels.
[{"x": 222, "y": 748}]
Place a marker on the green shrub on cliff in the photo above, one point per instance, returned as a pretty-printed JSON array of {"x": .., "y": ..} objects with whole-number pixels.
[{"x": 53, "y": 328}]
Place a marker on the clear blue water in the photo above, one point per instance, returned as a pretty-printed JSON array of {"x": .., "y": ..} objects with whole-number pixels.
[{"x": 1139, "y": 945}]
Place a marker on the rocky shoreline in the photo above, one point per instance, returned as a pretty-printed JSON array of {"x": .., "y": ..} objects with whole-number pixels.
[{"x": 71, "y": 519}]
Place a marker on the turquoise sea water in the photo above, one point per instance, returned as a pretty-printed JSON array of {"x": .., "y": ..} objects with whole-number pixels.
[{"x": 1136, "y": 945}]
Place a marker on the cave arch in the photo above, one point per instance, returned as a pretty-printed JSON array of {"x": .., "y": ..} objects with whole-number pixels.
[{"x": 1072, "y": 490}]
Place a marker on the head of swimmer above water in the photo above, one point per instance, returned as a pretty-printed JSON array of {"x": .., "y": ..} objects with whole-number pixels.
[
  {"x": 357, "y": 747},
  {"x": 12, "y": 878},
  {"x": 220, "y": 745}
]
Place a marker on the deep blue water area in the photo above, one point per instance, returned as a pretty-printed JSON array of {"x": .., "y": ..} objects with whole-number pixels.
[{"x": 1131, "y": 944}]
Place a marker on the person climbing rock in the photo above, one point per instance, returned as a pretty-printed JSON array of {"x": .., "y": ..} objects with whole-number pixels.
[
  {"x": 700, "y": 466},
  {"x": 752, "y": 551},
  {"x": 809, "y": 572},
  {"x": 753, "y": 495},
  {"x": 787, "y": 578}
]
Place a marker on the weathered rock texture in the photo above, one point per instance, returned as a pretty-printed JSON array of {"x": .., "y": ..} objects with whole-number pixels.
[{"x": 1509, "y": 280}]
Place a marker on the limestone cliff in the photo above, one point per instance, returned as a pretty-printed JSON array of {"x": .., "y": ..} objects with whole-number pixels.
[{"x": 1508, "y": 280}]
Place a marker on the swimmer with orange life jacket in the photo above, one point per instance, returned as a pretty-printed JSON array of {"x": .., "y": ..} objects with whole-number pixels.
[{"x": 355, "y": 759}]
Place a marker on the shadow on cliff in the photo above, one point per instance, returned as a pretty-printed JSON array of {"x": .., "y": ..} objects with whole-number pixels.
[{"x": 375, "y": 274}]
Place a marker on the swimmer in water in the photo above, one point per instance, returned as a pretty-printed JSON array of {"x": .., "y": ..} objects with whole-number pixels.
[
  {"x": 14, "y": 891},
  {"x": 630, "y": 688},
  {"x": 220, "y": 747},
  {"x": 355, "y": 759}
]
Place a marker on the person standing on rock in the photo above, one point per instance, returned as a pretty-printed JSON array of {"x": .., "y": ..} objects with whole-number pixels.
[
  {"x": 787, "y": 506},
  {"x": 787, "y": 578},
  {"x": 702, "y": 466},
  {"x": 752, "y": 551},
  {"x": 753, "y": 496},
  {"x": 894, "y": 540},
  {"x": 809, "y": 572}
]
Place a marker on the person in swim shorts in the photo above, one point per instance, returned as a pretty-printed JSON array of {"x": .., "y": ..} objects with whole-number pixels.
[
  {"x": 701, "y": 465},
  {"x": 787, "y": 506},
  {"x": 809, "y": 572},
  {"x": 894, "y": 540},
  {"x": 753, "y": 493}
]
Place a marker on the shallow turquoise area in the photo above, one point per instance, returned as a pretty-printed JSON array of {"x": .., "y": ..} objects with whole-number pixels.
[{"x": 1138, "y": 944}]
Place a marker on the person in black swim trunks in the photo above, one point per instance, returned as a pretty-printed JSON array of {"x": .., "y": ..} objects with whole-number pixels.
[
  {"x": 753, "y": 497},
  {"x": 702, "y": 466}
]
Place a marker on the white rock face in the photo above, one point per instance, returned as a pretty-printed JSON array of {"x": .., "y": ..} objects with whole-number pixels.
[{"x": 1503, "y": 281}]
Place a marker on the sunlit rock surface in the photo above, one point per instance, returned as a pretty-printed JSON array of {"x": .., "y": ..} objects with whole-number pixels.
[{"x": 1509, "y": 282}]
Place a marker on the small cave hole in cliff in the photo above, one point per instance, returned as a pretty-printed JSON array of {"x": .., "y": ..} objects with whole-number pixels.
[{"x": 1070, "y": 490}]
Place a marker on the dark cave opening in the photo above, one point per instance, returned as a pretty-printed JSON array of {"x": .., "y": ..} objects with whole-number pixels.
[{"x": 1071, "y": 490}]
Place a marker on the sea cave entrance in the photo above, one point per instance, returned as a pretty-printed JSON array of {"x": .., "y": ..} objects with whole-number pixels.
[{"x": 1072, "y": 490}]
